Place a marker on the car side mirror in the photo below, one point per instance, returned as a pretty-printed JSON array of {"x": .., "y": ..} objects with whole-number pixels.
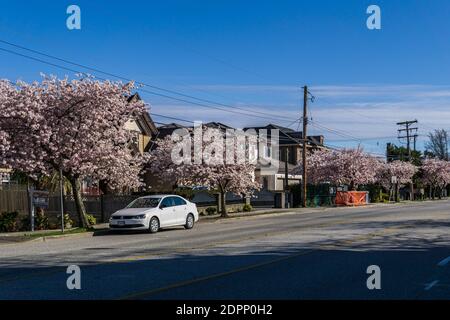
[{"x": 162, "y": 206}]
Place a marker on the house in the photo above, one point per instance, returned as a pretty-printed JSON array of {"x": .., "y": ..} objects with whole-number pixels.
[
  {"x": 143, "y": 127},
  {"x": 290, "y": 149},
  {"x": 154, "y": 183},
  {"x": 144, "y": 132},
  {"x": 168, "y": 129},
  {"x": 290, "y": 145}
]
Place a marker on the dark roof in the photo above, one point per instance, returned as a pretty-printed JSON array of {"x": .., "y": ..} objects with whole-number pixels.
[
  {"x": 167, "y": 129},
  {"x": 289, "y": 136},
  {"x": 134, "y": 96},
  {"x": 272, "y": 126},
  {"x": 172, "y": 125},
  {"x": 217, "y": 125}
]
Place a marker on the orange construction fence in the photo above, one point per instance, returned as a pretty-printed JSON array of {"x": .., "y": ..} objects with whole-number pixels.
[{"x": 351, "y": 198}]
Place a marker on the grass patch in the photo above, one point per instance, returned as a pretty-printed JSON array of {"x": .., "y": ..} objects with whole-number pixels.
[{"x": 32, "y": 235}]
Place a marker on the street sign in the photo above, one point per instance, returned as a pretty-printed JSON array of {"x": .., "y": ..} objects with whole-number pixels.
[{"x": 40, "y": 198}]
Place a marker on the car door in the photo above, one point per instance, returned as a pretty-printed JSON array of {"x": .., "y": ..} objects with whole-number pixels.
[
  {"x": 168, "y": 212},
  {"x": 180, "y": 210}
]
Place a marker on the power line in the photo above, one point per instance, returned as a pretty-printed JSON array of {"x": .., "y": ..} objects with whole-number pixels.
[
  {"x": 408, "y": 130},
  {"x": 272, "y": 117},
  {"x": 374, "y": 138},
  {"x": 172, "y": 118},
  {"x": 335, "y": 147},
  {"x": 78, "y": 71},
  {"x": 383, "y": 120},
  {"x": 335, "y": 131},
  {"x": 347, "y": 136}
]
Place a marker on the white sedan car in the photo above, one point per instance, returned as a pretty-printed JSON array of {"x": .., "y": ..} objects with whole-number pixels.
[{"x": 154, "y": 212}]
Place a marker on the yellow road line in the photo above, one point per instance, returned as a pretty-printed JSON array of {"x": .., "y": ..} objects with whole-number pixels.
[
  {"x": 210, "y": 277},
  {"x": 181, "y": 250},
  {"x": 246, "y": 268}
]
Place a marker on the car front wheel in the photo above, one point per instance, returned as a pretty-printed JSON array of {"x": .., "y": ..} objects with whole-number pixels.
[
  {"x": 153, "y": 225},
  {"x": 189, "y": 221}
]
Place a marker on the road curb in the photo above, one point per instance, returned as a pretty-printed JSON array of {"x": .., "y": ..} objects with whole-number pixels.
[
  {"x": 43, "y": 238},
  {"x": 215, "y": 219}
]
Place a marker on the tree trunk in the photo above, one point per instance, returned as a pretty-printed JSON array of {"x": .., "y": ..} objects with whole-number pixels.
[
  {"x": 352, "y": 186},
  {"x": 81, "y": 210},
  {"x": 223, "y": 204}
]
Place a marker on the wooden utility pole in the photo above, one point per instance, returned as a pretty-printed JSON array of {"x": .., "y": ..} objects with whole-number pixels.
[
  {"x": 408, "y": 137},
  {"x": 61, "y": 195},
  {"x": 305, "y": 138},
  {"x": 286, "y": 179}
]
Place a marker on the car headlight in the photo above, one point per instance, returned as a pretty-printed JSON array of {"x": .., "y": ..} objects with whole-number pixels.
[{"x": 141, "y": 216}]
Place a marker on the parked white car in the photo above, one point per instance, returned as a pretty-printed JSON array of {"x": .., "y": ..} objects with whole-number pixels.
[{"x": 155, "y": 212}]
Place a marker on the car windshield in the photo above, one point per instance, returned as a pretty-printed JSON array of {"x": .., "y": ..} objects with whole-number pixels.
[{"x": 144, "y": 203}]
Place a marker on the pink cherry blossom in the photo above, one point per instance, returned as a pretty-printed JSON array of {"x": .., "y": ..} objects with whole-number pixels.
[
  {"x": 403, "y": 171},
  {"x": 436, "y": 173},
  {"x": 237, "y": 178},
  {"x": 74, "y": 125},
  {"x": 352, "y": 167}
]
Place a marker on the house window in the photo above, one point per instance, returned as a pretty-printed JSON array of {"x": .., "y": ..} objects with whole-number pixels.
[
  {"x": 267, "y": 151},
  {"x": 292, "y": 155},
  {"x": 135, "y": 139}
]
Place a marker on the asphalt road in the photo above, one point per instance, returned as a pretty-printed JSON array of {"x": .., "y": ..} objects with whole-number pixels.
[{"x": 303, "y": 254}]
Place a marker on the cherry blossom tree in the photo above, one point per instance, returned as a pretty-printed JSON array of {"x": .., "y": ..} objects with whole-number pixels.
[
  {"x": 74, "y": 125},
  {"x": 352, "y": 167},
  {"x": 403, "y": 171},
  {"x": 435, "y": 174},
  {"x": 198, "y": 161},
  {"x": 4, "y": 147}
]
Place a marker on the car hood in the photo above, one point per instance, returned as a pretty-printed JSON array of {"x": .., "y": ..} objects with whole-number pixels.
[{"x": 132, "y": 211}]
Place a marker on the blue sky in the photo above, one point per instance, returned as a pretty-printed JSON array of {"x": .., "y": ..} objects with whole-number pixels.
[{"x": 256, "y": 55}]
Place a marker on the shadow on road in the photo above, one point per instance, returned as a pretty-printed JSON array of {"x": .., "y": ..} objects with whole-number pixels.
[
  {"x": 109, "y": 232},
  {"x": 318, "y": 270}
]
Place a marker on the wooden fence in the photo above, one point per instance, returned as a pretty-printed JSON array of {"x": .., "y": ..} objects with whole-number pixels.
[{"x": 14, "y": 198}]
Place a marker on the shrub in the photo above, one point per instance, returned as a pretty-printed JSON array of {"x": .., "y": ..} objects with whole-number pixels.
[
  {"x": 186, "y": 193},
  {"x": 8, "y": 221},
  {"x": 91, "y": 219},
  {"x": 41, "y": 221},
  {"x": 25, "y": 224},
  {"x": 68, "y": 222},
  {"x": 211, "y": 210},
  {"x": 380, "y": 197},
  {"x": 54, "y": 226},
  {"x": 247, "y": 208}
]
